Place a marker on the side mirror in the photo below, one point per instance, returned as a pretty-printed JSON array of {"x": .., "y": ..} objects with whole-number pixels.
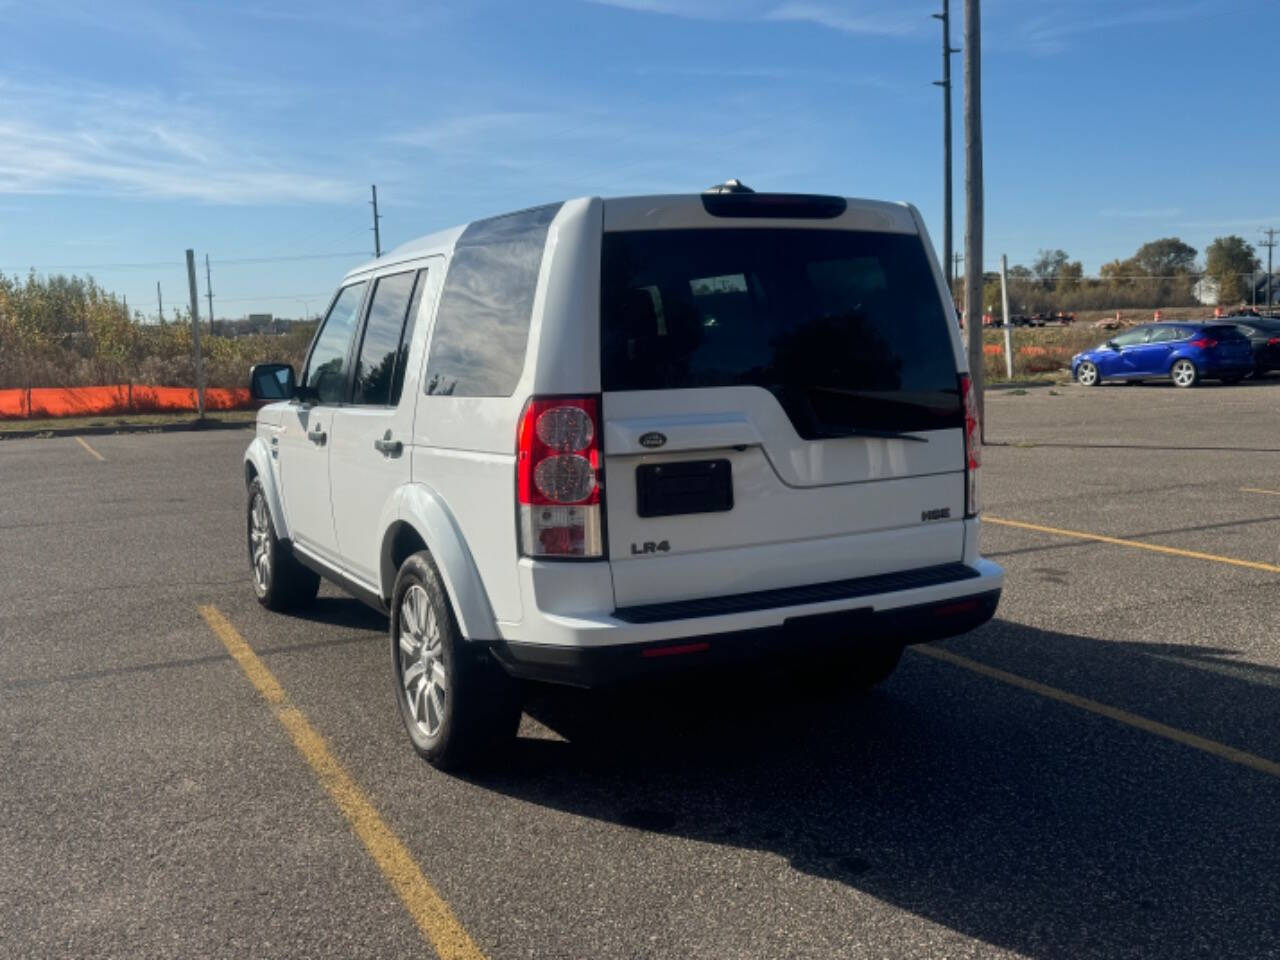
[
  {"x": 272, "y": 381},
  {"x": 1113, "y": 345}
]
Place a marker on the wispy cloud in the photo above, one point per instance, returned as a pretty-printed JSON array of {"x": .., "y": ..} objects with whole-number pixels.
[
  {"x": 801, "y": 74},
  {"x": 115, "y": 143},
  {"x": 1158, "y": 213},
  {"x": 851, "y": 16},
  {"x": 1049, "y": 27},
  {"x": 578, "y": 149}
]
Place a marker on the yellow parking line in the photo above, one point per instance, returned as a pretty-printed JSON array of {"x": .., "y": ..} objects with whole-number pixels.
[
  {"x": 1220, "y": 750},
  {"x": 1274, "y": 493},
  {"x": 429, "y": 911},
  {"x": 1138, "y": 544},
  {"x": 92, "y": 452}
]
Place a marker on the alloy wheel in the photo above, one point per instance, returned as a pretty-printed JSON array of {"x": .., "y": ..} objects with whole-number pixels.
[
  {"x": 423, "y": 677},
  {"x": 1183, "y": 373},
  {"x": 260, "y": 542}
]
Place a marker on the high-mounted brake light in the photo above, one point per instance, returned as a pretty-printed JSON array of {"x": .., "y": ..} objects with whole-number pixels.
[
  {"x": 972, "y": 446},
  {"x": 558, "y": 477}
]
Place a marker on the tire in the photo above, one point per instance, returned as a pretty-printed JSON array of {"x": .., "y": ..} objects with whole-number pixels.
[
  {"x": 1184, "y": 373},
  {"x": 458, "y": 705},
  {"x": 1087, "y": 374},
  {"x": 279, "y": 580}
]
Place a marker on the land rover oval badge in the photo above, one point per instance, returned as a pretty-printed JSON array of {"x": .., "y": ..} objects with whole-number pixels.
[{"x": 653, "y": 439}]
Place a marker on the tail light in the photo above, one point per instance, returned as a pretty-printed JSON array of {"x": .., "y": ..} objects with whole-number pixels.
[
  {"x": 972, "y": 446},
  {"x": 1274, "y": 342},
  {"x": 1205, "y": 343},
  {"x": 558, "y": 477}
]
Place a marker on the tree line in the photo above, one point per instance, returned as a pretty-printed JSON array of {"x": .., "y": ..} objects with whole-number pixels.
[
  {"x": 1160, "y": 273},
  {"x": 66, "y": 331}
]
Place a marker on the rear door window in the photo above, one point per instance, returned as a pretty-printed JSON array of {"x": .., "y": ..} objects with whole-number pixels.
[
  {"x": 326, "y": 373},
  {"x": 846, "y": 329},
  {"x": 380, "y": 366}
]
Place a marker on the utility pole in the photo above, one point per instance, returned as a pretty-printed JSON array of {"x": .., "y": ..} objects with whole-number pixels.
[
  {"x": 956, "y": 260},
  {"x": 973, "y": 198},
  {"x": 208, "y": 289},
  {"x": 1004, "y": 302},
  {"x": 195, "y": 330},
  {"x": 945, "y": 84},
  {"x": 1270, "y": 245},
  {"x": 159, "y": 304},
  {"x": 377, "y": 237}
]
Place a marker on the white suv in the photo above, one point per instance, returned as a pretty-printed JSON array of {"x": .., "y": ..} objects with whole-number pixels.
[{"x": 611, "y": 436}]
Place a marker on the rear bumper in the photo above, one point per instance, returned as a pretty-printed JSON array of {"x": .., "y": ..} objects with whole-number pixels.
[{"x": 604, "y": 656}]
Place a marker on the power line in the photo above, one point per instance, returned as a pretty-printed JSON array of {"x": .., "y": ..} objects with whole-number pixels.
[{"x": 177, "y": 264}]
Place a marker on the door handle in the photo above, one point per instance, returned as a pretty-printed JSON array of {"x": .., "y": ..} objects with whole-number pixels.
[
  {"x": 317, "y": 436},
  {"x": 388, "y": 447}
]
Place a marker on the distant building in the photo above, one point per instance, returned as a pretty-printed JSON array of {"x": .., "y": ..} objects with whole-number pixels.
[
  {"x": 1260, "y": 289},
  {"x": 1206, "y": 291}
]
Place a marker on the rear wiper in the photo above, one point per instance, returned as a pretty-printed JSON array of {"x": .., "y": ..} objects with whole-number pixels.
[{"x": 861, "y": 432}]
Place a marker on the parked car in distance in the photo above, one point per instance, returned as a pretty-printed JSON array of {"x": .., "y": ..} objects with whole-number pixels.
[
  {"x": 606, "y": 437},
  {"x": 1264, "y": 336},
  {"x": 1185, "y": 353},
  {"x": 1041, "y": 319}
]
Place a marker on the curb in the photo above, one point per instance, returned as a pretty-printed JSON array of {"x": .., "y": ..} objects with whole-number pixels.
[
  {"x": 192, "y": 426},
  {"x": 1028, "y": 383}
]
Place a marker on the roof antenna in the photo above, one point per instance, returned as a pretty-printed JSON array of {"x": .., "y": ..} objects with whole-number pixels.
[{"x": 729, "y": 186}]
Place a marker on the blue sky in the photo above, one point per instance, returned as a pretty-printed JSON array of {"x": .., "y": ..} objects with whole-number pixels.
[{"x": 251, "y": 131}]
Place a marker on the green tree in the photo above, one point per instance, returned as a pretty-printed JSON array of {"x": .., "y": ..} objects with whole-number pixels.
[
  {"x": 1166, "y": 257},
  {"x": 1048, "y": 265},
  {"x": 1070, "y": 274},
  {"x": 1226, "y": 259}
]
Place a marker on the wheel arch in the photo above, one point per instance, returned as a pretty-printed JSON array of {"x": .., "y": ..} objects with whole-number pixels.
[
  {"x": 258, "y": 465},
  {"x": 423, "y": 522}
]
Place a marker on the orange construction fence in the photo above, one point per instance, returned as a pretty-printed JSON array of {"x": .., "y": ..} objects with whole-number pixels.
[
  {"x": 995, "y": 350},
  {"x": 29, "y": 402}
]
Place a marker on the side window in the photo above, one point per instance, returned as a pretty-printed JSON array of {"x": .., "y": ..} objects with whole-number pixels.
[
  {"x": 384, "y": 330},
  {"x": 482, "y": 323},
  {"x": 326, "y": 373},
  {"x": 406, "y": 341},
  {"x": 1164, "y": 334}
]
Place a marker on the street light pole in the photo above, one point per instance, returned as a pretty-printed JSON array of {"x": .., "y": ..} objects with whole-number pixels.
[
  {"x": 973, "y": 198},
  {"x": 945, "y": 84}
]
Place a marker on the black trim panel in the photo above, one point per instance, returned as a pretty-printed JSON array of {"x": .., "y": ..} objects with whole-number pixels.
[
  {"x": 794, "y": 596},
  {"x": 357, "y": 590},
  {"x": 796, "y": 637}
]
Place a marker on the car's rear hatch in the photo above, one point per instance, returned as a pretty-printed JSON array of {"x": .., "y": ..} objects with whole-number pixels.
[
  {"x": 781, "y": 407},
  {"x": 1229, "y": 344}
]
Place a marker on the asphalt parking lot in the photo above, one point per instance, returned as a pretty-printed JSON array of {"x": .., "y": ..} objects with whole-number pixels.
[{"x": 1096, "y": 773}]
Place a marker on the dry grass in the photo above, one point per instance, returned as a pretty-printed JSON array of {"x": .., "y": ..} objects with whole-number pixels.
[{"x": 129, "y": 422}]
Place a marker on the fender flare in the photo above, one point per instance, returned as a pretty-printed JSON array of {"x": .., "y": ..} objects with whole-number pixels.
[
  {"x": 258, "y": 456},
  {"x": 423, "y": 511}
]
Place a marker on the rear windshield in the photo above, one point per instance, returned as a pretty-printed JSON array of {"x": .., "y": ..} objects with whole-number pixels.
[{"x": 845, "y": 328}]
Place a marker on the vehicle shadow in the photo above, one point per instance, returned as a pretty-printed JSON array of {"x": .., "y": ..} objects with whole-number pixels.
[{"x": 1023, "y": 823}]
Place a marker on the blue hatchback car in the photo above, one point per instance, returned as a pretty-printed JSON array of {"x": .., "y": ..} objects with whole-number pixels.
[{"x": 1185, "y": 353}]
